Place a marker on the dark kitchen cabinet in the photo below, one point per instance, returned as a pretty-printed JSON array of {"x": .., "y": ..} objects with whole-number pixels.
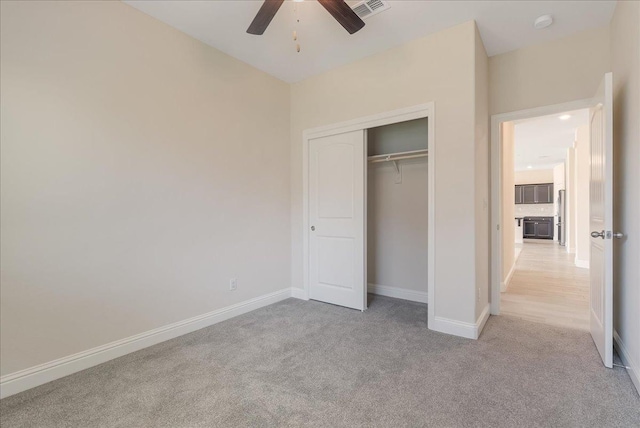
[
  {"x": 529, "y": 194},
  {"x": 534, "y": 193},
  {"x": 544, "y": 193},
  {"x": 529, "y": 229},
  {"x": 538, "y": 228},
  {"x": 544, "y": 229},
  {"x": 518, "y": 194}
]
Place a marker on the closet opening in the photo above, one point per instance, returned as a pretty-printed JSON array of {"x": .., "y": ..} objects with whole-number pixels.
[
  {"x": 397, "y": 207},
  {"x": 369, "y": 211}
]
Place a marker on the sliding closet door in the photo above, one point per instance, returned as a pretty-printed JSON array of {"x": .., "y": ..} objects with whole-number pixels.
[{"x": 336, "y": 219}]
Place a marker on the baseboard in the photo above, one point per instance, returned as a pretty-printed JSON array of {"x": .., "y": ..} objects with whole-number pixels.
[
  {"x": 582, "y": 263},
  {"x": 627, "y": 360},
  {"x": 482, "y": 319},
  {"x": 460, "y": 328},
  {"x": 398, "y": 293},
  {"x": 299, "y": 293},
  {"x": 22, "y": 380},
  {"x": 504, "y": 285}
]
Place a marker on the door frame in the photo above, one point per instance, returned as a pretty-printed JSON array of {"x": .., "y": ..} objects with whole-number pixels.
[
  {"x": 496, "y": 182},
  {"x": 420, "y": 111}
]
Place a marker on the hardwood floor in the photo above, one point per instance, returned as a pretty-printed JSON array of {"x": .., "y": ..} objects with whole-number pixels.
[{"x": 547, "y": 287}]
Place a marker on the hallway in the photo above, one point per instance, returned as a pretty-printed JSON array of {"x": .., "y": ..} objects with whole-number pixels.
[{"x": 548, "y": 288}]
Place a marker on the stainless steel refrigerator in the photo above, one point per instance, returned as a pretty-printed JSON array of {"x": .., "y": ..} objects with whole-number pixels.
[{"x": 562, "y": 231}]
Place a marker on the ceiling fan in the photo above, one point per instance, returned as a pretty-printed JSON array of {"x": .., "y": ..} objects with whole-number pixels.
[{"x": 337, "y": 8}]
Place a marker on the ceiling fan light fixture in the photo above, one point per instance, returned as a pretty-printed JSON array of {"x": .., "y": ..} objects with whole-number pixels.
[
  {"x": 542, "y": 22},
  {"x": 340, "y": 11},
  {"x": 565, "y": 117}
]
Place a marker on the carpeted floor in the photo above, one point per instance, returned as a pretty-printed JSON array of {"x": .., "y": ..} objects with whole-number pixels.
[{"x": 300, "y": 363}]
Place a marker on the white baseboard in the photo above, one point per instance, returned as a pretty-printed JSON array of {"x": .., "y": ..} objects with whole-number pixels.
[
  {"x": 299, "y": 293},
  {"x": 398, "y": 293},
  {"x": 627, "y": 360},
  {"x": 460, "y": 328},
  {"x": 34, "y": 376},
  {"x": 504, "y": 285},
  {"x": 582, "y": 263}
]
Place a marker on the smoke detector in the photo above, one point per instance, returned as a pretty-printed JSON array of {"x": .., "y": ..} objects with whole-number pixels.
[
  {"x": 542, "y": 22},
  {"x": 368, "y": 8}
]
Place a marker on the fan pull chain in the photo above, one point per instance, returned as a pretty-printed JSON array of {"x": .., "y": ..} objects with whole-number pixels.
[{"x": 295, "y": 32}]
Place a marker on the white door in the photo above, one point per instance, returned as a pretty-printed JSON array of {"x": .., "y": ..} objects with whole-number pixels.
[
  {"x": 336, "y": 219},
  {"x": 601, "y": 218}
]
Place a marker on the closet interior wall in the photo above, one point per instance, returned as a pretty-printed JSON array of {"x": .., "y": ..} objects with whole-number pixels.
[{"x": 397, "y": 211}]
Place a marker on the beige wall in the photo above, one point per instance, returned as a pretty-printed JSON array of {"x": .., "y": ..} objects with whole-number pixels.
[
  {"x": 625, "y": 61},
  {"x": 405, "y": 76},
  {"x": 583, "y": 176},
  {"x": 555, "y": 72},
  {"x": 534, "y": 176},
  {"x": 508, "y": 199},
  {"x": 397, "y": 222},
  {"x": 558, "y": 178},
  {"x": 141, "y": 169},
  {"x": 481, "y": 147}
]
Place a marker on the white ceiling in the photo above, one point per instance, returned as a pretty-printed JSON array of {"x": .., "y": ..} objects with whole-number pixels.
[
  {"x": 542, "y": 142},
  {"x": 504, "y": 26}
]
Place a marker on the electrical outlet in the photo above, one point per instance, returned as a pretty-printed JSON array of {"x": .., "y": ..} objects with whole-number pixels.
[{"x": 233, "y": 284}]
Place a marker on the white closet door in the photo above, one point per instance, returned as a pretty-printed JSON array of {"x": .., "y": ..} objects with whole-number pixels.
[{"x": 336, "y": 219}]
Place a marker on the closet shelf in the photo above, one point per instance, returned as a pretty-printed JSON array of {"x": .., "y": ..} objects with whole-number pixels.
[{"x": 398, "y": 156}]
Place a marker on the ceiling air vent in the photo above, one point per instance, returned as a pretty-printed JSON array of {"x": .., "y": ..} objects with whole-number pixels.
[{"x": 369, "y": 8}]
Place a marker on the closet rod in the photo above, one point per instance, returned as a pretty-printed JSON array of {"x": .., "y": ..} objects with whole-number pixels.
[{"x": 399, "y": 156}]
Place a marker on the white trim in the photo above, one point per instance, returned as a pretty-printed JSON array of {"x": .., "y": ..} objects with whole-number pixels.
[
  {"x": 386, "y": 118},
  {"x": 401, "y": 115},
  {"x": 625, "y": 356},
  {"x": 460, "y": 328},
  {"x": 496, "y": 184},
  {"x": 299, "y": 293},
  {"x": 22, "y": 380},
  {"x": 582, "y": 263},
  {"x": 482, "y": 320},
  {"x": 399, "y": 293},
  {"x": 504, "y": 285}
]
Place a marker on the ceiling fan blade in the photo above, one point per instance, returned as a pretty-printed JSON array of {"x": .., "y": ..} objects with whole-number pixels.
[
  {"x": 264, "y": 16},
  {"x": 343, "y": 14}
]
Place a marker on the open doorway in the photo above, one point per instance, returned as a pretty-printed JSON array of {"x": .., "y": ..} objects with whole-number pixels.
[
  {"x": 599, "y": 232},
  {"x": 545, "y": 252}
]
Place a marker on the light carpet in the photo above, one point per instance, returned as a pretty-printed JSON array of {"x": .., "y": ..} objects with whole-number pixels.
[{"x": 298, "y": 363}]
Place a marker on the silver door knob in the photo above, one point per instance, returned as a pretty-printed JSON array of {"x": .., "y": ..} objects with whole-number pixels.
[
  {"x": 313, "y": 228},
  {"x": 595, "y": 234},
  {"x": 618, "y": 235}
]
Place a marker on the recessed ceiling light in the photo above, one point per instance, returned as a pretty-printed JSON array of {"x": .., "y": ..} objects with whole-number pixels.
[
  {"x": 542, "y": 22},
  {"x": 529, "y": 166},
  {"x": 565, "y": 117}
]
